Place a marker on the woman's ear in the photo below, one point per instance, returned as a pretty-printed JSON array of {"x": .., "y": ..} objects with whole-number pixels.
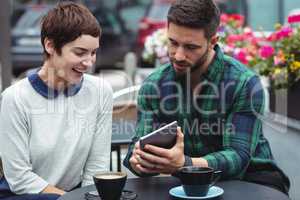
[{"x": 49, "y": 46}]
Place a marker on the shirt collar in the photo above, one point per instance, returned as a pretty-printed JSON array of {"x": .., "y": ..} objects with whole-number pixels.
[{"x": 42, "y": 88}]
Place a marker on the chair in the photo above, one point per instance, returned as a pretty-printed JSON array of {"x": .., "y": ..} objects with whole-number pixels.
[
  {"x": 123, "y": 114},
  {"x": 1, "y": 169},
  {"x": 125, "y": 110}
]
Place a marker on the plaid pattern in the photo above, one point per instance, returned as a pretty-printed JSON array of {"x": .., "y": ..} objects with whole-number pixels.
[{"x": 222, "y": 126}]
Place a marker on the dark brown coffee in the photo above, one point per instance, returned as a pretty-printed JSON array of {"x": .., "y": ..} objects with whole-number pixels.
[{"x": 110, "y": 184}]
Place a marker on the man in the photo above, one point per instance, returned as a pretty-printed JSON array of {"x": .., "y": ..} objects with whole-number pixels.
[{"x": 216, "y": 100}]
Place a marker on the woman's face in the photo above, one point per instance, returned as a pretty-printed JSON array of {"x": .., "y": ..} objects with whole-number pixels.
[{"x": 75, "y": 59}]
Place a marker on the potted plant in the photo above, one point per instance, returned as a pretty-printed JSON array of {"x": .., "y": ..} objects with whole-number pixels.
[
  {"x": 275, "y": 56},
  {"x": 285, "y": 74}
]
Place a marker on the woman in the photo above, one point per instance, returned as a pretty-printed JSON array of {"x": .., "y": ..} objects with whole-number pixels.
[{"x": 56, "y": 123}]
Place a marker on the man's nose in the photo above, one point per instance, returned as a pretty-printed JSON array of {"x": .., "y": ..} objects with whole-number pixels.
[{"x": 179, "y": 54}]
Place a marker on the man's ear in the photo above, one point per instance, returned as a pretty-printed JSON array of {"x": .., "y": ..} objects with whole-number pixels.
[
  {"x": 214, "y": 40},
  {"x": 49, "y": 46}
]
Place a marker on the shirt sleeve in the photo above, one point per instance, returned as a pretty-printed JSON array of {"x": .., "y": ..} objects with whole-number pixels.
[
  {"x": 99, "y": 155},
  {"x": 14, "y": 147},
  {"x": 242, "y": 132},
  {"x": 146, "y": 118}
]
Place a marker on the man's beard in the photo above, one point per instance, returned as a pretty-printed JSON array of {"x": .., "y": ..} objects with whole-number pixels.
[{"x": 191, "y": 67}]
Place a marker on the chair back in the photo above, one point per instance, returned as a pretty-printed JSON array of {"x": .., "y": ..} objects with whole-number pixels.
[
  {"x": 125, "y": 111},
  {"x": 1, "y": 169}
]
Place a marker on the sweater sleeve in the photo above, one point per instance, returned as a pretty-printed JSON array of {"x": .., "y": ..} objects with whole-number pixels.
[
  {"x": 99, "y": 154},
  {"x": 14, "y": 146}
]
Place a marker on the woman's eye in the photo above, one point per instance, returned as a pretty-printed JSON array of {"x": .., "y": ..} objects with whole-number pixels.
[{"x": 80, "y": 53}]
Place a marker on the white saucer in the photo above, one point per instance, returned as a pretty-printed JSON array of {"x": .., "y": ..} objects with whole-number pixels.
[{"x": 213, "y": 192}]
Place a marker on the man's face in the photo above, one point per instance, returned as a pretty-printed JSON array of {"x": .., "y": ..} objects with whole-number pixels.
[
  {"x": 188, "y": 48},
  {"x": 75, "y": 59}
]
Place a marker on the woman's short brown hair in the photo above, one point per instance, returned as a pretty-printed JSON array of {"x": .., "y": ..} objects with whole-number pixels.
[{"x": 66, "y": 22}]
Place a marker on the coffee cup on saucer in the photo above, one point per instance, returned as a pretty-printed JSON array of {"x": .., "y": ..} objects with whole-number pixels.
[
  {"x": 196, "y": 181},
  {"x": 110, "y": 184}
]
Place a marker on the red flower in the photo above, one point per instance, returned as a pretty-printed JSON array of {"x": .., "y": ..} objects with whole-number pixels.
[
  {"x": 294, "y": 18},
  {"x": 238, "y": 19}
]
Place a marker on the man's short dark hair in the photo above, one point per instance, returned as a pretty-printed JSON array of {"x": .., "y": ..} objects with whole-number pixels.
[
  {"x": 198, "y": 14},
  {"x": 66, "y": 22}
]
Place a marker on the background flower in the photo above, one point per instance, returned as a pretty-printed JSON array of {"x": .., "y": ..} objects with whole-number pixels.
[
  {"x": 276, "y": 54},
  {"x": 155, "y": 49},
  {"x": 266, "y": 51}
]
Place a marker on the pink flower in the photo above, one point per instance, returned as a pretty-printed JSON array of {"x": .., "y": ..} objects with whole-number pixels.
[
  {"x": 266, "y": 51},
  {"x": 272, "y": 37},
  {"x": 248, "y": 31},
  {"x": 224, "y": 18},
  {"x": 228, "y": 49},
  {"x": 233, "y": 38},
  {"x": 254, "y": 41},
  {"x": 284, "y": 32},
  {"x": 294, "y": 18},
  {"x": 241, "y": 55}
]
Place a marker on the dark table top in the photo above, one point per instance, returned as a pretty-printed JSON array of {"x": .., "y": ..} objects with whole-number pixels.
[{"x": 157, "y": 188}]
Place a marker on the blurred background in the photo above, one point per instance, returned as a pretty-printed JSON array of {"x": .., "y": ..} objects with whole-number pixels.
[{"x": 126, "y": 24}]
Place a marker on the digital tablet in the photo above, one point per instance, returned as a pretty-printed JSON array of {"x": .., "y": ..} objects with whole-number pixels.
[{"x": 164, "y": 137}]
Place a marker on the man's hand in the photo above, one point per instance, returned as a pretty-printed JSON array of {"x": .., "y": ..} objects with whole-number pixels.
[
  {"x": 135, "y": 159},
  {"x": 159, "y": 160}
]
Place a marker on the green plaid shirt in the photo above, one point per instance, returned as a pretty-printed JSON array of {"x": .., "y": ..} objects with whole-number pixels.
[{"x": 220, "y": 124}]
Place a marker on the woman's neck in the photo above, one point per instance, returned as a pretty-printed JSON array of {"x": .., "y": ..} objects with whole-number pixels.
[{"x": 50, "y": 77}]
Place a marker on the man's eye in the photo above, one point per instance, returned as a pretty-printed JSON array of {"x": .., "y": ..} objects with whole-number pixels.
[
  {"x": 191, "y": 47},
  {"x": 173, "y": 43}
]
